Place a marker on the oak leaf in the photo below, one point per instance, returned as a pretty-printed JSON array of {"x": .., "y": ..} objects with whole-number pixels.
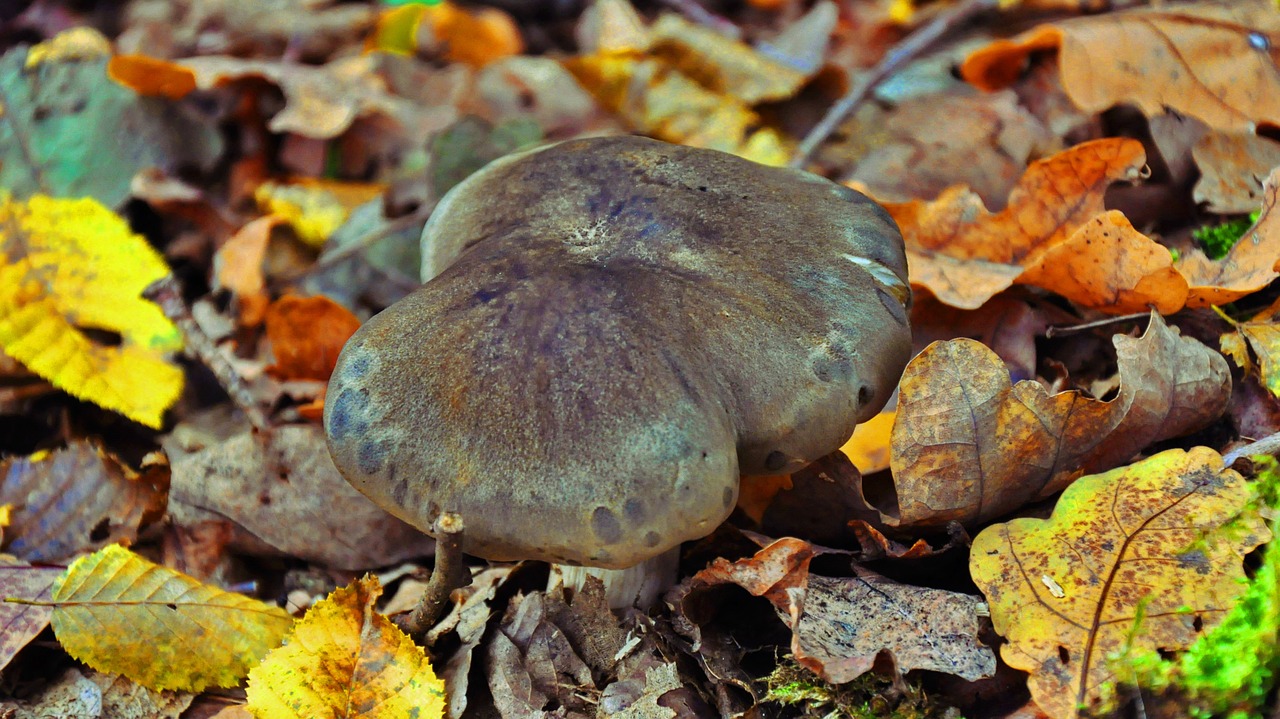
[
  {"x": 344, "y": 659},
  {"x": 969, "y": 446},
  {"x": 121, "y": 614},
  {"x": 72, "y": 266},
  {"x": 1212, "y": 61},
  {"x": 1151, "y": 538}
]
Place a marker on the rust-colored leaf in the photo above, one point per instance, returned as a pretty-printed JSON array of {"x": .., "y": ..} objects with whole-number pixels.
[
  {"x": 306, "y": 335},
  {"x": 970, "y": 446},
  {"x": 1213, "y": 61}
]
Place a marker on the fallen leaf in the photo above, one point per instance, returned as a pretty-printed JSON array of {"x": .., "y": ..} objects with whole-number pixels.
[
  {"x": 965, "y": 255},
  {"x": 444, "y": 30},
  {"x": 281, "y": 492},
  {"x": 68, "y": 266},
  {"x": 74, "y": 500},
  {"x": 65, "y": 132},
  {"x": 238, "y": 267},
  {"x": 1249, "y": 266},
  {"x": 1212, "y": 61},
  {"x": 840, "y": 625},
  {"x": 315, "y": 209},
  {"x": 970, "y": 446},
  {"x": 868, "y": 448},
  {"x": 20, "y": 623},
  {"x": 1261, "y": 334},
  {"x": 306, "y": 335},
  {"x": 344, "y": 659},
  {"x": 1150, "y": 539},
  {"x": 86, "y": 694},
  {"x": 1233, "y": 167},
  {"x": 121, "y": 614}
]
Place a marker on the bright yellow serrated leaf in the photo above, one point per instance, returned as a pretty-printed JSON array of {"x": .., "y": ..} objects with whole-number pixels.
[
  {"x": 121, "y": 614},
  {"x": 346, "y": 660},
  {"x": 71, "y": 265},
  {"x": 1164, "y": 538}
]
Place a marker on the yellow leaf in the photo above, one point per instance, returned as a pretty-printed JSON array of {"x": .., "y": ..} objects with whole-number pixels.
[
  {"x": 1164, "y": 537},
  {"x": 71, "y": 265},
  {"x": 121, "y": 614},
  {"x": 77, "y": 43},
  {"x": 346, "y": 660},
  {"x": 316, "y": 208}
]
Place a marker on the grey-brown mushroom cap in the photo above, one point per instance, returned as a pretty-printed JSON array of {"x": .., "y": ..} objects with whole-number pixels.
[{"x": 627, "y": 325}]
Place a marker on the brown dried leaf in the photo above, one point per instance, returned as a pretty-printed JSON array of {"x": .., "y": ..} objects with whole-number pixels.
[
  {"x": 1213, "y": 61},
  {"x": 1247, "y": 268},
  {"x": 1232, "y": 169},
  {"x": 840, "y": 625},
  {"x": 969, "y": 446},
  {"x": 75, "y": 500},
  {"x": 306, "y": 335},
  {"x": 20, "y": 623},
  {"x": 87, "y": 694}
]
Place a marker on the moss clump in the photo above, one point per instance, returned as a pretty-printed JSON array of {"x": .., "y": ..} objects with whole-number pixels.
[
  {"x": 1217, "y": 240},
  {"x": 1232, "y": 669},
  {"x": 802, "y": 693}
]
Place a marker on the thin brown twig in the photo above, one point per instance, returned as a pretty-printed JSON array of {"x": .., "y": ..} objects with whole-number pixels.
[
  {"x": 1060, "y": 330},
  {"x": 702, "y": 16},
  {"x": 450, "y": 573},
  {"x": 167, "y": 293},
  {"x": 1267, "y": 445},
  {"x": 345, "y": 252},
  {"x": 904, "y": 52}
]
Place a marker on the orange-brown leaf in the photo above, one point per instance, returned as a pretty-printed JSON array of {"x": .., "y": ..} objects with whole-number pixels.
[
  {"x": 306, "y": 335},
  {"x": 1212, "y": 61},
  {"x": 1248, "y": 267}
]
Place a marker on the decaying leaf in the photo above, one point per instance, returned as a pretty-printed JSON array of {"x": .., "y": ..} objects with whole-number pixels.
[
  {"x": 840, "y": 625},
  {"x": 85, "y": 694},
  {"x": 306, "y": 335},
  {"x": 121, "y": 614},
  {"x": 281, "y": 492},
  {"x": 76, "y": 499},
  {"x": 969, "y": 446},
  {"x": 70, "y": 269},
  {"x": 66, "y": 132},
  {"x": 1233, "y": 167},
  {"x": 238, "y": 267},
  {"x": 473, "y": 36},
  {"x": 314, "y": 209},
  {"x": 1213, "y": 61},
  {"x": 344, "y": 659},
  {"x": 1261, "y": 334},
  {"x": 1248, "y": 267},
  {"x": 20, "y": 623},
  {"x": 1163, "y": 538}
]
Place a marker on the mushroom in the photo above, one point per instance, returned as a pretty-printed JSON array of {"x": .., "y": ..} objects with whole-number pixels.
[{"x": 614, "y": 329}]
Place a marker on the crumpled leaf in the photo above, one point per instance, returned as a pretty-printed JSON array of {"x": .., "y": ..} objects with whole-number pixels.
[
  {"x": 62, "y": 501},
  {"x": 281, "y": 492},
  {"x": 1212, "y": 61},
  {"x": 1233, "y": 167},
  {"x": 67, "y": 266},
  {"x": 840, "y": 625},
  {"x": 66, "y": 132},
  {"x": 238, "y": 267},
  {"x": 344, "y": 659},
  {"x": 320, "y": 102},
  {"x": 121, "y": 614},
  {"x": 969, "y": 446},
  {"x": 965, "y": 255},
  {"x": 306, "y": 335},
  {"x": 1248, "y": 267},
  {"x": 20, "y": 623},
  {"x": 1261, "y": 334},
  {"x": 86, "y": 694},
  {"x": 1150, "y": 539}
]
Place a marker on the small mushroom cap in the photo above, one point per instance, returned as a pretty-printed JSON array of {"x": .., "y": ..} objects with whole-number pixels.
[{"x": 622, "y": 327}]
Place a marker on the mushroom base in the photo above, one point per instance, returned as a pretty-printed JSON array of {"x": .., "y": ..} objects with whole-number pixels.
[{"x": 638, "y": 586}]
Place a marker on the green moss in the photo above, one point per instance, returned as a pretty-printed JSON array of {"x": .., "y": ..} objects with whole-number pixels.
[
  {"x": 868, "y": 697},
  {"x": 1230, "y": 671},
  {"x": 1217, "y": 240}
]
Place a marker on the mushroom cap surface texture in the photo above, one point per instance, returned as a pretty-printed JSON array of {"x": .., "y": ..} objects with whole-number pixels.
[{"x": 622, "y": 326}]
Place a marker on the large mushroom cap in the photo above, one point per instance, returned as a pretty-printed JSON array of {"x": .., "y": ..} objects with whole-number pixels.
[{"x": 626, "y": 325}]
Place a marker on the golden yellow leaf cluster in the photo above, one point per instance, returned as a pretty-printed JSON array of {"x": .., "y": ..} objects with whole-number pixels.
[
  {"x": 1163, "y": 538},
  {"x": 346, "y": 660},
  {"x": 67, "y": 266},
  {"x": 121, "y": 614}
]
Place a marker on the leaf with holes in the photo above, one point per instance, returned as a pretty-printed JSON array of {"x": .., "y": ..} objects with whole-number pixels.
[
  {"x": 121, "y": 614},
  {"x": 1164, "y": 537}
]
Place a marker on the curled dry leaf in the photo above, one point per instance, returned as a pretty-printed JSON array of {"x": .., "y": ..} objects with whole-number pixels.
[
  {"x": 1053, "y": 233},
  {"x": 344, "y": 659},
  {"x": 840, "y": 625},
  {"x": 1213, "y": 61},
  {"x": 1232, "y": 169},
  {"x": 81, "y": 693},
  {"x": 970, "y": 446},
  {"x": 62, "y": 500},
  {"x": 306, "y": 335},
  {"x": 1261, "y": 334},
  {"x": 1145, "y": 556},
  {"x": 20, "y": 623},
  {"x": 1249, "y": 266},
  {"x": 121, "y": 614}
]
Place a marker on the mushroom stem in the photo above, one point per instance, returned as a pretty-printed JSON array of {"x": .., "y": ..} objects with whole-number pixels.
[
  {"x": 450, "y": 573},
  {"x": 639, "y": 585}
]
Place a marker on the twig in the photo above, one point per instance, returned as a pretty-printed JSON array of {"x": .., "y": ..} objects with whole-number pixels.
[
  {"x": 352, "y": 249},
  {"x": 1058, "y": 331},
  {"x": 167, "y": 293},
  {"x": 450, "y": 573},
  {"x": 909, "y": 49},
  {"x": 1267, "y": 445},
  {"x": 703, "y": 16}
]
